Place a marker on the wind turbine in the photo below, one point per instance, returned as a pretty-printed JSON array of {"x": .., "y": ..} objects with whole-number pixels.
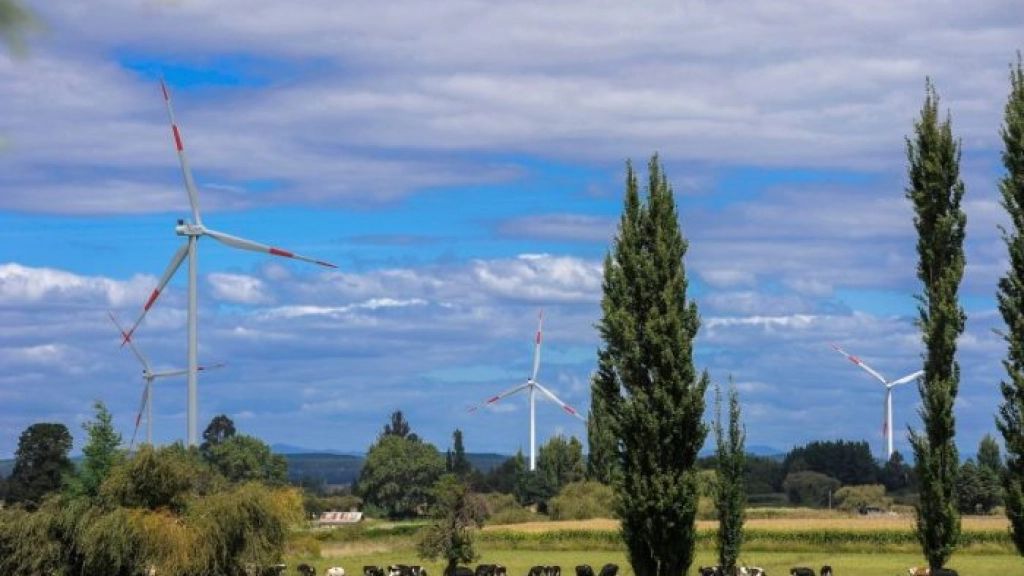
[
  {"x": 889, "y": 385},
  {"x": 533, "y": 387},
  {"x": 192, "y": 231},
  {"x": 147, "y": 391}
]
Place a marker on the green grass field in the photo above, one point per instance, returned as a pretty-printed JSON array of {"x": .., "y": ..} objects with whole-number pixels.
[{"x": 568, "y": 546}]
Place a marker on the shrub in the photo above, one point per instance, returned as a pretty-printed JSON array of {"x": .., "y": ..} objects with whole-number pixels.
[
  {"x": 854, "y": 498},
  {"x": 582, "y": 501}
]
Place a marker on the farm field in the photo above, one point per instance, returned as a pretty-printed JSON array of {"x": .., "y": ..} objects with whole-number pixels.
[{"x": 566, "y": 544}]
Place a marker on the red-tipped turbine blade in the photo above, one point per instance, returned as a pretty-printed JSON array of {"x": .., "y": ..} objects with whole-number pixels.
[
  {"x": 860, "y": 363},
  {"x": 568, "y": 409},
  {"x": 536, "y": 345},
  {"x": 504, "y": 394},
  {"x": 242, "y": 243},
  {"x": 179, "y": 145},
  {"x": 175, "y": 263}
]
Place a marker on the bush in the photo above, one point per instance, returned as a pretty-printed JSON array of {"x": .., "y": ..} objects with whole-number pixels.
[
  {"x": 854, "y": 498},
  {"x": 582, "y": 501},
  {"x": 809, "y": 488}
]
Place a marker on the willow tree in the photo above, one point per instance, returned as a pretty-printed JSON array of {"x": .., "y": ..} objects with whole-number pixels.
[
  {"x": 1010, "y": 420},
  {"x": 935, "y": 189},
  {"x": 651, "y": 393}
]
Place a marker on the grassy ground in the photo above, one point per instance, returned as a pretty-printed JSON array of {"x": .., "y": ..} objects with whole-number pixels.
[{"x": 354, "y": 553}]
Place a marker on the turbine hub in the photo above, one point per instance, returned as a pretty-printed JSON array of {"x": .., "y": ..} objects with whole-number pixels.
[{"x": 187, "y": 229}]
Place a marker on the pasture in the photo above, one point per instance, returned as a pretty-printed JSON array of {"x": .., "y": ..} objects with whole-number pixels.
[{"x": 853, "y": 546}]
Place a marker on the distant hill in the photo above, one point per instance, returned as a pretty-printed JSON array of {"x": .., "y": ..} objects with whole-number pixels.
[{"x": 331, "y": 468}]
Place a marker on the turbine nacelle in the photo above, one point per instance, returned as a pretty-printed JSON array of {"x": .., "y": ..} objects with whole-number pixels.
[{"x": 188, "y": 229}]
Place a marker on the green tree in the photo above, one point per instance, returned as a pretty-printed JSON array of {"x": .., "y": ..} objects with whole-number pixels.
[
  {"x": 40, "y": 464},
  {"x": 731, "y": 493},
  {"x": 896, "y": 474},
  {"x": 397, "y": 475},
  {"x": 935, "y": 189},
  {"x": 582, "y": 501},
  {"x": 809, "y": 488},
  {"x": 450, "y": 537},
  {"x": 989, "y": 456},
  {"x": 15, "y": 24},
  {"x": 242, "y": 458},
  {"x": 399, "y": 426},
  {"x": 602, "y": 459},
  {"x": 854, "y": 498},
  {"x": 101, "y": 453},
  {"x": 560, "y": 461},
  {"x": 655, "y": 401},
  {"x": 457, "y": 463},
  {"x": 503, "y": 478},
  {"x": 220, "y": 429},
  {"x": 848, "y": 462},
  {"x": 1010, "y": 419}
]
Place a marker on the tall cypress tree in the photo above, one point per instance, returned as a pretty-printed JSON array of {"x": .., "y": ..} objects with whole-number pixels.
[
  {"x": 731, "y": 494},
  {"x": 1010, "y": 420},
  {"x": 602, "y": 461},
  {"x": 655, "y": 396},
  {"x": 936, "y": 190}
]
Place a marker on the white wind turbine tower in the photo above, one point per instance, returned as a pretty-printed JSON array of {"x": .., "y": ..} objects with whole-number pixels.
[
  {"x": 533, "y": 386},
  {"x": 193, "y": 231},
  {"x": 147, "y": 391},
  {"x": 889, "y": 385}
]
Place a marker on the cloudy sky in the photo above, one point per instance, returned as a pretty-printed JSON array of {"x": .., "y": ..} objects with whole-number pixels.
[{"x": 462, "y": 162}]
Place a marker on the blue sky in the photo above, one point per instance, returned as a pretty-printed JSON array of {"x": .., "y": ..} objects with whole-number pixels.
[{"x": 462, "y": 163}]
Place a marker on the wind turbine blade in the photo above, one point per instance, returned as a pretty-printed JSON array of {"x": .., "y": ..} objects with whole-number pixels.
[
  {"x": 190, "y": 184},
  {"x": 242, "y": 243},
  {"x": 907, "y": 378},
  {"x": 185, "y": 371},
  {"x": 504, "y": 394},
  {"x": 142, "y": 407},
  {"x": 125, "y": 339},
  {"x": 860, "y": 363},
  {"x": 536, "y": 345},
  {"x": 569, "y": 409},
  {"x": 172, "y": 267}
]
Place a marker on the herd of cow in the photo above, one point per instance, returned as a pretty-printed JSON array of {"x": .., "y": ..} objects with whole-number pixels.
[{"x": 581, "y": 570}]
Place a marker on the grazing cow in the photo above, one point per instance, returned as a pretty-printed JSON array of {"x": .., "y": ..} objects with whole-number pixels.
[
  {"x": 755, "y": 571},
  {"x": 710, "y": 571},
  {"x": 584, "y": 570},
  {"x": 459, "y": 571},
  {"x": 499, "y": 570},
  {"x": 609, "y": 570},
  {"x": 273, "y": 570},
  {"x": 306, "y": 570},
  {"x": 552, "y": 571},
  {"x": 485, "y": 570},
  {"x": 918, "y": 571},
  {"x": 826, "y": 570},
  {"x": 801, "y": 571},
  {"x": 334, "y": 571},
  {"x": 373, "y": 571},
  {"x": 537, "y": 571}
]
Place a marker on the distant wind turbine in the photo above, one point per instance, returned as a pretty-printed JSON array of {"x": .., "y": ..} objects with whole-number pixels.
[
  {"x": 193, "y": 231},
  {"x": 147, "y": 391},
  {"x": 889, "y": 385},
  {"x": 533, "y": 386}
]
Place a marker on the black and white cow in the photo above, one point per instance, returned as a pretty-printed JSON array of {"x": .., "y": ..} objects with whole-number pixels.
[
  {"x": 537, "y": 571},
  {"x": 485, "y": 570},
  {"x": 801, "y": 571},
  {"x": 500, "y": 570},
  {"x": 710, "y": 571},
  {"x": 460, "y": 571},
  {"x": 305, "y": 570},
  {"x": 373, "y": 571},
  {"x": 609, "y": 570},
  {"x": 755, "y": 571},
  {"x": 826, "y": 570},
  {"x": 552, "y": 571},
  {"x": 584, "y": 570}
]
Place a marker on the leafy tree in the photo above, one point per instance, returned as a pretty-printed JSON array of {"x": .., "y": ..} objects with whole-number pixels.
[
  {"x": 731, "y": 495},
  {"x": 101, "y": 453},
  {"x": 534, "y": 488},
  {"x": 242, "y": 458},
  {"x": 809, "y": 488},
  {"x": 220, "y": 429},
  {"x": 504, "y": 477},
  {"x": 763, "y": 475},
  {"x": 399, "y": 426},
  {"x": 450, "y": 537},
  {"x": 162, "y": 509},
  {"x": 848, "y": 462},
  {"x": 1010, "y": 419},
  {"x": 582, "y": 501},
  {"x": 652, "y": 392},
  {"x": 936, "y": 190},
  {"x": 854, "y": 498},
  {"x": 397, "y": 475},
  {"x": 896, "y": 474},
  {"x": 989, "y": 456},
  {"x": 15, "y": 23},
  {"x": 40, "y": 464},
  {"x": 457, "y": 463},
  {"x": 560, "y": 461},
  {"x": 602, "y": 459}
]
